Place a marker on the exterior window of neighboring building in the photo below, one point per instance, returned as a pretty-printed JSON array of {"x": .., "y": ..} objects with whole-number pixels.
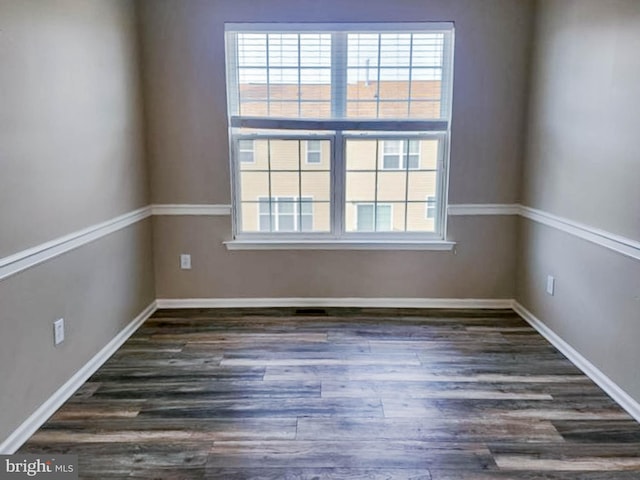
[
  {"x": 431, "y": 207},
  {"x": 401, "y": 155},
  {"x": 314, "y": 151},
  {"x": 339, "y": 131},
  {"x": 373, "y": 217},
  {"x": 285, "y": 214},
  {"x": 245, "y": 151}
]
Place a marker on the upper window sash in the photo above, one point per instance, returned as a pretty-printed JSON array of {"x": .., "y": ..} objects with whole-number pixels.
[{"x": 340, "y": 71}]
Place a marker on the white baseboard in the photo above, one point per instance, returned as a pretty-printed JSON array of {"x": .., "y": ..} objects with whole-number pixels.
[
  {"x": 334, "y": 302},
  {"x": 594, "y": 373},
  {"x": 49, "y": 407}
]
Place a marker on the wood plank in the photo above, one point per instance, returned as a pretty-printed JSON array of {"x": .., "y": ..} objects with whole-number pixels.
[{"x": 345, "y": 393}]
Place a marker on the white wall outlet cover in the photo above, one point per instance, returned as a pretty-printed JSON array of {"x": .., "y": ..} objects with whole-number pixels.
[
  {"x": 551, "y": 285},
  {"x": 185, "y": 261},
  {"x": 58, "y": 331}
]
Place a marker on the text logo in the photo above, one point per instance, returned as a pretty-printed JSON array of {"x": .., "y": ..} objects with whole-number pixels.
[{"x": 53, "y": 467}]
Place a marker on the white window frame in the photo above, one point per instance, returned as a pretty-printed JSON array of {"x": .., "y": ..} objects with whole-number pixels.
[{"x": 338, "y": 131}]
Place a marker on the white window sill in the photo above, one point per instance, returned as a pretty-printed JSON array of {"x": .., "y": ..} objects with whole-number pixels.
[{"x": 437, "y": 245}]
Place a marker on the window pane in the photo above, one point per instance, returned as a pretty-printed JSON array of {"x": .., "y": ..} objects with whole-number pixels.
[
  {"x": 316, "y": 185},
  {"x": 383, "y": 218},
  {"x": 393, "y": 110},
  {"x": 365, "y": 222},
  {"x": 392, "y": 185},
  {"x": 255, "y": 216},
  {"x": 361, "y": 186},
  {"x": 284, "y": 154},
  {"x": 285, "y": 184},
  {"x": 254, "y": 185},
  {"x": 265, "y": 224},
  {"x": 394, "y": 85},
  {"x": 362, "y": 109},
  {"x": 429, "y": 154},
  {"x": 315, "y": 49},
  {"x": 410, "y": 68},
  {"x": 391, "y": 162},
  {"x": 299, "y": 70},
  {"x": 361, "y": 154},
  {"x": 285, "y": 206},
  {"x": 285, "y": 223},
  {"x": 314, "y": 151},
  {"x": 314, "y": 91},
  {"x": 414, "y": 162},
  {"x": 395, "y": 49},
  {"x": 392, "y": 146},
  {"x": 416, "y": 220},
  {"x": 245, "y": 157},
  {"x": 431, "y": 207},
  {"x": 264, "y": 206},
  {"x": 321, "y": 217},
  {"x": 283, "y": 49},
  {"x": 422, "y": 185}
]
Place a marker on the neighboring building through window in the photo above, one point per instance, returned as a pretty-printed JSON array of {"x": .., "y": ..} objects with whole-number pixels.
[
  {"x": 339, "y": 131},
  {"x": 374, "y": 217},
  {"x": 245, "y": 151},
  {"x": 314, "y": 151},
  {"x": 431, "y": 207},
  {"x": 285, "y": 214},
  {"x": 401, "y": 155}
]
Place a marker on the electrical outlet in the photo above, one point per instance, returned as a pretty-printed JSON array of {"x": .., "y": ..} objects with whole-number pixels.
[
  {"x": 58, "y": 331},
  {"x": 185, "y": 261},
  {"x": 551, "y": 285}
]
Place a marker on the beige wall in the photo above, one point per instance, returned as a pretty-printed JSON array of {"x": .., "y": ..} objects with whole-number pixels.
[
  {"x": 98, "y": 289},
  {"x": 71, "y": 156},
  {"x": 218, "y": 273},
  {"x": 183, "y": 43},
  {"x": 184, "y": 79},
  {"x": 583, "y": 163},
  {"x": 70, "y": 121}
]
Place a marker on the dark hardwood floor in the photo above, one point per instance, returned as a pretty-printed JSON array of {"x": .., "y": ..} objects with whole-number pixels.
[{"x": 352, "y": 394}]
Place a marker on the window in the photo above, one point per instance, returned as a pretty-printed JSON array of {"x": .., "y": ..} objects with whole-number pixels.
[
  {"x": 339, "y": 131},
  {"x": 245, "y": 151},
  {"x": 285, "y": 214},
  {"x": 431, "y": 207},
  {"x": 373, "y": 217},
  {"x": 401, "y": 154},
  {"x": 314, "y": 151}
]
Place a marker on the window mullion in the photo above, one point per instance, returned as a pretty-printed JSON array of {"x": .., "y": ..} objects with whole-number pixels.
[
  {"x": 299, "y": 213},
  {"x": 271, "y": 211},
  {"x": 338, "y": 74},
  {"x": 375, "y": 192},
  {"x": 406, "y": 186},
  {"x": 338, "y": 184}
]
